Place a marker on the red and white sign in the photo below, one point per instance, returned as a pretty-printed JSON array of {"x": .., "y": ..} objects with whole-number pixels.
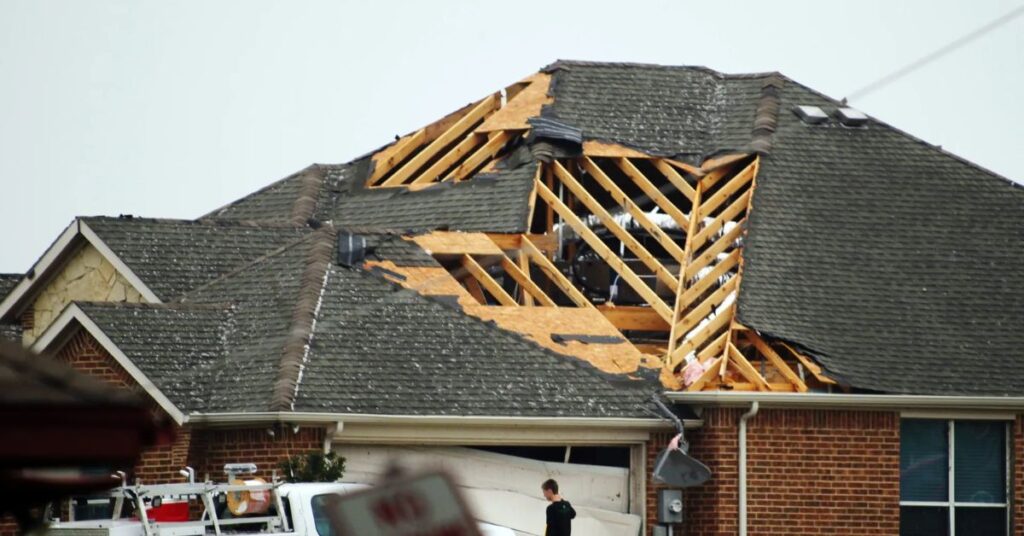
[{"x": 426, "y": 505}]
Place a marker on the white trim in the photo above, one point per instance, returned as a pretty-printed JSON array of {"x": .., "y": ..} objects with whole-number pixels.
[
  {"x": 119, "y": 265},
  {"x": 438, "y": 420},
  {"x": 440, "y": 434},
  {"x": 945, "y": 415},
  {"x": 951, "y": 504},
  {"x": 848, "y": 401},
  {"x": 55, "y": 252},
  {"x": 49, "y": 257},
  {"x": 74, "y": 313},
  {"x": 940, "y": 504}
]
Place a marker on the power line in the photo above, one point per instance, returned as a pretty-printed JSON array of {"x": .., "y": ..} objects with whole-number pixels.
[{"x": 900, "y": 73}]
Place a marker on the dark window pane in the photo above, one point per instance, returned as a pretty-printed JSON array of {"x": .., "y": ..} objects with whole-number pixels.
[
  {"x": 979, "y": 452},
  {"x": 924, "y": 460},
  {"x": 981, "y": 521},
  {"x": 924, "y": 521},
  {"x": 320, "y": 519}
]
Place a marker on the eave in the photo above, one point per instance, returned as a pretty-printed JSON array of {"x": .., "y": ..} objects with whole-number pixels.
[
  {"x": 53, "y": 259},
  {"x": 72, "y": 319},
  {"x": 865, "y": 402}
]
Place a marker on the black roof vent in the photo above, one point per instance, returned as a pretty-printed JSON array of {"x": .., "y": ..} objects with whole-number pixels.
[
  {"x": 812, "y": 115},
  {"x": 351, "y": 249},
  {"x": 850, "y": 117}
]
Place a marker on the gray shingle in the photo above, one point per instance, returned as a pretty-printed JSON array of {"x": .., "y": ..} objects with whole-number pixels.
[
  {"x": 896, "y": 264},
  {"x": 380, "y": 349},
  {"x": 495, "y": 202},
  {"x": 665, "y": 110},
  {"x": 175, "y": 256},
  {"x": 177, "y": 346},
  {"x": 263, "y": 296},
  {"x": 7, "y": 283}
]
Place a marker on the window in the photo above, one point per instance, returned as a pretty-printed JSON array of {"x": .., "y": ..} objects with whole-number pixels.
[
  {"x": 320, "y": 519},
  {"x": 953, "y": 477}
]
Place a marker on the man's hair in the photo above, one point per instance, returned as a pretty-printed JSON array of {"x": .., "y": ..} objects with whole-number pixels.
[{"x": 550, "y": 485}]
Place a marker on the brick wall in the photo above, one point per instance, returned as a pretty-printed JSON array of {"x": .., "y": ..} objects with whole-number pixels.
[
  {"x": 823, "y": 472},
  {"x": 212, "y": 448},
  {"x": 1018, "y": 476},
  {"x": 808, "y": 472},
  {"x": 86, "y": 355}
]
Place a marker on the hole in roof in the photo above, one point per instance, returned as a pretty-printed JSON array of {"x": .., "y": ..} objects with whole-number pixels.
[{"x": 812, "y": 115}]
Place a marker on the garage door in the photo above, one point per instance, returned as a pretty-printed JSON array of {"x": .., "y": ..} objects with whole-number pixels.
[{"x": 505, "y": 490}]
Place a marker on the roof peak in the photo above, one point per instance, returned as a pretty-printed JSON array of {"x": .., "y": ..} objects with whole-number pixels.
[{"x": 569, "y": 63}]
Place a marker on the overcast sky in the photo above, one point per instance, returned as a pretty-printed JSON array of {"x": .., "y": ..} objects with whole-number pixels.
[{"x": 171, "y": 109}]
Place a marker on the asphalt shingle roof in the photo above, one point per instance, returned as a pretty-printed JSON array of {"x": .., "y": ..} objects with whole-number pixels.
[
  {"x": 494, "y": 202},
  {"x": 430, "y": 359},
  {"x": 176, "y": 346},
  {"x": 660, "y": 109},
  {"x": 7, "y": 283},
  {"x": 174, "y": 256},
  {"x": 895, "y": 264}
]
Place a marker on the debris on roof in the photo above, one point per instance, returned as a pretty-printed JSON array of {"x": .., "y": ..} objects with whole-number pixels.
[{"x": 538, "y": 249}]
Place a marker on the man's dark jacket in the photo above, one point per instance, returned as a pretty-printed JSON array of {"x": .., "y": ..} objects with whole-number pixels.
[{"x": 560, "y": 515}]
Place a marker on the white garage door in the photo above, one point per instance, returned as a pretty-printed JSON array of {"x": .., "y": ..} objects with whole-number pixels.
[{"x": 505, "y": 490}]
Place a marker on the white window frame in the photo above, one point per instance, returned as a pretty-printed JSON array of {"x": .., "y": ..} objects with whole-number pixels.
[{"x": 951, "y": 504}]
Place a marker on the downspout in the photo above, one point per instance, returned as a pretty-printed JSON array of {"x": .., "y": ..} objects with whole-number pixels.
[{"x": 743, "y": 467}]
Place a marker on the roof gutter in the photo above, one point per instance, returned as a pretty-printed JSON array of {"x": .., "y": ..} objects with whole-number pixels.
[
  {"x": 439, "y": 420},
  {"x": 846, "y": 401}
]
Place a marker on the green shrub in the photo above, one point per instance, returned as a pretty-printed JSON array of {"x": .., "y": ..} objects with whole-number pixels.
[{"x": 314, "y": 466}]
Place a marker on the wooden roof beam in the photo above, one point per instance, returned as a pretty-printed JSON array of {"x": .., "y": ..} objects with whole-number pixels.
[
  {"x": 642, "y": 182},
  {"x": 556, "y": 276},
  {"x": 609, "y": 222},
  {"x": 602, "y": 249},
  {"x": 634, "y": 210},
  {"x": 460, "y": 128}
]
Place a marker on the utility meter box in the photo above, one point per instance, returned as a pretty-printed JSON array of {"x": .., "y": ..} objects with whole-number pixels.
[{"x": 670, "y": 506}]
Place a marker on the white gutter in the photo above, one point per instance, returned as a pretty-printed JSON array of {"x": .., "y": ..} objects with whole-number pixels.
[
  {"x": 743, "y": 466},
  {"x": 846, "y": 401},
  {"x": 440, "y": 420}
]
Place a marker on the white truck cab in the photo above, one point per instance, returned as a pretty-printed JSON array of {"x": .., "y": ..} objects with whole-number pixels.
[
  {"x": 301, "y": 504},
  {"x": 305, "y": 506}
]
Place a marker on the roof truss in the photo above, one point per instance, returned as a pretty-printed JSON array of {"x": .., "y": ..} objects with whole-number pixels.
[{"x": 667, "y": 235}]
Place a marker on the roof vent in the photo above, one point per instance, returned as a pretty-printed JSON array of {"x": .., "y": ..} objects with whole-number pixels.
[
  {"x": 812, "y": 115},
  {"x": 351, "y": 249},
  {"x": 850, "y": 117}
]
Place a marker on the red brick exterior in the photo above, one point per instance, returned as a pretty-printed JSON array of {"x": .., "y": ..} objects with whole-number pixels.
[
  {"x": 204, "y": 449},
  {"x": 808, "y": 472},
  {"x": 212, "y": 448},
  {"x": 84, "y": 354},
  {"x": 1017, "y": 458}
]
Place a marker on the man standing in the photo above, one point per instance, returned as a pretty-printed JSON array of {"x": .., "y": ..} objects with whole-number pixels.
[{"x": 560, "y": 512}]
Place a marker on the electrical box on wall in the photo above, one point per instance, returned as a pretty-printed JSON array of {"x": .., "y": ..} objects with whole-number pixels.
[{"x": 670, "y": 506}]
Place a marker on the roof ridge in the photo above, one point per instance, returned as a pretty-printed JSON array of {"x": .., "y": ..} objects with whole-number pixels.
[
  {"x": 211, "y": 215},
  {"x": 558, "y": 64},
  {"x": 766, "y": 116},
  {"x": 273, "y": 253},
  {"x": 310, "y": 183},
  {"x": 254, "y": 224},
  {"x": 303, "y": 322}
]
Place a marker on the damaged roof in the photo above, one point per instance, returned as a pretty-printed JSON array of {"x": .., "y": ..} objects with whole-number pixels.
[
  {"x": 895, "y": 264},
  {"x": 892, "y": 263},
  {"x": 428, "y": 358}
]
